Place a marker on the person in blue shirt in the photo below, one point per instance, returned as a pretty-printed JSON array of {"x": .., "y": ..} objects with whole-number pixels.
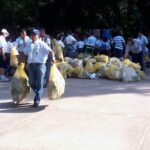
[{"x": 105, "y": 47}]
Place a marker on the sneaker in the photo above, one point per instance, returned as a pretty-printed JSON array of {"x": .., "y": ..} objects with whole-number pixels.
[{"x": 36, "y": 104}]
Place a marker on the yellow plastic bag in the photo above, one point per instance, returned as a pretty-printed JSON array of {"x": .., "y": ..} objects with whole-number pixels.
[
  {"x": 83, "y": 74},
  {"x": 13, "y": 57},
  {"x": 58, "y": 50},
  {"x": 65, "y": 69},
  {"x": 76, "y": 72},
  {"x": 113, "y": 73},
  {"x": 56, "y": 86},
  {"x": 102, "y": 58},
  {"x": 89, "y": 67},
  {"x": 19, "y": 85},
  {"x": 131, "y": 64},
  {"x": 98, "y": 66}
]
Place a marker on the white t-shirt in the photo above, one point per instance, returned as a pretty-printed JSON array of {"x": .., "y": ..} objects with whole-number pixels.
[
  {"x": 9, "y": 47},
  {"x": 92, "y": 40},
  {"x": 143, "y": 39},
  {"x": 21, "y": 44},
  {"x": 37, "y": 52},
  {"x": 3, "y": 43},
  {"x": 70, "y": 40},
  {"x": 136, "y": 47},
  {"x": 80, "y": 44},
  {"x": 61, "y": 43}
]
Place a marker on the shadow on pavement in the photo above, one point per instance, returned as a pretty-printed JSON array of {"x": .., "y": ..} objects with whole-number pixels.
[{"x": 9, "y": 107}]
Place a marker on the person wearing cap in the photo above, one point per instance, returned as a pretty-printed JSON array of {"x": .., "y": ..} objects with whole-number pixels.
[
  {"x": 46, "y": 38},
  {"x": 37, "y": 53},
  {"x": 3, "y": 63}
]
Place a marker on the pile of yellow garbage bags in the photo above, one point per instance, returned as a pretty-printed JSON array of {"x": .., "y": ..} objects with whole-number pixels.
[{"x": 100, "y": 66}]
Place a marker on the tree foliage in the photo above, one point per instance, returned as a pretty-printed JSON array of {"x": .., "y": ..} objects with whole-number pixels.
[{"x": 128, "y": 15}]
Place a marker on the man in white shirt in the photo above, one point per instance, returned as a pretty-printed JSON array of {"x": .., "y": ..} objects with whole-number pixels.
[
  {"x": 144, "y": 40},
  {"x": 37, "y": 53},
  {"x": 22, "y": 41},
  {"x": 134, "y": 47},
  {"x": 3, "y": 47},
  {"x": 70, "y": 44}
]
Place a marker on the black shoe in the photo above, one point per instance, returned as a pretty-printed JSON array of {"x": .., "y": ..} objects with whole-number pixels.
[{"x": 36, "y": 104}]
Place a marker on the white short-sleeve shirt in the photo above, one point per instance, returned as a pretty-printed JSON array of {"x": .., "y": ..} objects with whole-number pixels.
[
  {"x": 37, "y": 52},
  {"x": 21, "y": 44},
  {"x": 3, "y": 43},
  {"x": 70, "y": 40}
]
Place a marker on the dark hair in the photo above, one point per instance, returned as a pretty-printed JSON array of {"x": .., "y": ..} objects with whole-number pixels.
[
  {"x": 42, "y": 30},
  {"x": 130, "y": 39},
  {"x": 22, "y": 30},
  {"x": 105, "y": 39}
]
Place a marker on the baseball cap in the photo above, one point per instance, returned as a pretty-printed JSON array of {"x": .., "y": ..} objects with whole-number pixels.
[
  {"x": 5, "y": 31},
  {"x": 35, "y": 32}
]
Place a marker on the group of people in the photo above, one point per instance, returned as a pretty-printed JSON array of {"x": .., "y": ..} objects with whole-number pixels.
[
  {"x": 37, "y": 49},
  {"x": 118, "y": 47}
]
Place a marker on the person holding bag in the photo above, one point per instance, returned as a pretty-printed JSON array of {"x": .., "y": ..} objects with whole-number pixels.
[{"x": 37, "y": 53}]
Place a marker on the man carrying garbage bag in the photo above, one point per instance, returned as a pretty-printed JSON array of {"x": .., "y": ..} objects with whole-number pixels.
[{"x": 37, "y": 53}]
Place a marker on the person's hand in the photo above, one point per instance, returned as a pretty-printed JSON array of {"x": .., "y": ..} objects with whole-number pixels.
[{"x": 53, "y": 59}]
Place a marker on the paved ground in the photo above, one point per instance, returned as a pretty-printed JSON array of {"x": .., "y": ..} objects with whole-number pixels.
[{"x": 92, "y": 115}]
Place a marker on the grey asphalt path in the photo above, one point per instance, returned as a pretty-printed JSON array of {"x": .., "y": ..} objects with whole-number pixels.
[{"x": 92, "y": 115}]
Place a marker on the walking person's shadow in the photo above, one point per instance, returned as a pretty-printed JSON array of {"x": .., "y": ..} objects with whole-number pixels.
[{"x": 10, "y": 107}]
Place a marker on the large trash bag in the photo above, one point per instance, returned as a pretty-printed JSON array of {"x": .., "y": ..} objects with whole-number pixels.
[
  {"x": 19, "y": 85},
  {"x": 89, "y": 67},
  {"x": 65, "y": 69},
  {"x": 76, "y": 72},
  {"x": 131, "y": 64},
  {"x": 81, "y": 56},
  {"x": 76, "y": 63},
  {"x": 113, "y": 73},
  {"x": 56, "y": 86},
  {"x": 129, "y": 74},
  {"x": 58, "y": 50},
  {"x": 98, "y": 66},
  {"x": 115, "y": 61},
  {"x": 102, "y": 58},
  {"x": 67, "y": 59},
  {"x": 13, "y": 57},
  {"x": 83, "y": 74}
]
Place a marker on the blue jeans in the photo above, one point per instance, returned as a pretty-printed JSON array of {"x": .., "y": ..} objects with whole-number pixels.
[{"x": 36, "y": 78}]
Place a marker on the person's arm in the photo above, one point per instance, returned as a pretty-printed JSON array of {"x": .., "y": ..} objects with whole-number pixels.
[
  {"x": 126, "y": 52},
  {"x": 49, "y": 51}
]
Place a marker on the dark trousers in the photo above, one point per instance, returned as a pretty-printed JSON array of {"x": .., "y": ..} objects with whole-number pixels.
[
  {"x": 47, "y": 74},
  {"x": 36, "y": 78},
  {"x": 118, "y": 53},
  {"x": 139, "y": 58}
]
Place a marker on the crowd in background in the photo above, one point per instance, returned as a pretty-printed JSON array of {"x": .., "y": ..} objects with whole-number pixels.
[{"x": 75, "y": 43}]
